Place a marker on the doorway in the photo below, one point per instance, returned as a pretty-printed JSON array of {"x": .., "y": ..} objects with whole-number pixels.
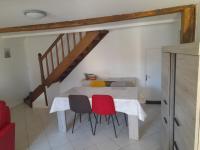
[{"x": 153, "y": 74}]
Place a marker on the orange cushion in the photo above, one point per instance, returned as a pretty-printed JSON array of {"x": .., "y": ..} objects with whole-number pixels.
[{"x": 97, "y": 83}]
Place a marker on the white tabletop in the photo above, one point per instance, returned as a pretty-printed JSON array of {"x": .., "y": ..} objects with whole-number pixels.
[
  {"x": 125, "y": 98},
  {"x": 115, "y": 92}
]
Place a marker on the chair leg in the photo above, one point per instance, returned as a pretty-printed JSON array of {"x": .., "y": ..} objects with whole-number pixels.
[
  {"x": 80, "y": 117},
  {"x": 125, "y": 117},
  {"x": 114, "y": 126},
  {"x": 117, "y": 119},
  {"x": 94, "y": 132},
  {"x": 95, "y": 117},
  {"x": 74, "y": 123},
  {"x": 100, "y": 120},
  {"x": 108, "y": 120},
  {"x": 90, "y": 123}
]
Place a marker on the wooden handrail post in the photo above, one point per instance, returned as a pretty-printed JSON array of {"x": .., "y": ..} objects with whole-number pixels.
[
  {"x": 57, "y": 55},
  {"x": 52, "y": 64},
  {"x": 63, "y": 54},
  {"x": 41, "y": 67},
  {"x": 42, "y": 77},
  {"x": 68, "y": 46},
  {"x": 47, "y": 65},
  {"x": 74, "y": 39},
  {"x": 80, "y": 35}
]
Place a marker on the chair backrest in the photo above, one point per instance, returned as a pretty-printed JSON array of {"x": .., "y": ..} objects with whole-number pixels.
[
  {"x": 103, "y": 105},
  {"x": 79, "y": 104}
]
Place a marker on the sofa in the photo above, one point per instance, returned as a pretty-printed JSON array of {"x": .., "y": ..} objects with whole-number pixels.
[{"x": 7, "y": 129}]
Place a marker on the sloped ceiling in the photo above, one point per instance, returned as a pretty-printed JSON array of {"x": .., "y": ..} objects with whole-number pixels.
[{"x": 11, "y": 11}]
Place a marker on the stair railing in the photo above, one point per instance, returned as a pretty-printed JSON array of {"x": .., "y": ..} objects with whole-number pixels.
[
  {"x": 55, "y": 54},
  {"x": 61, "y": 58}
]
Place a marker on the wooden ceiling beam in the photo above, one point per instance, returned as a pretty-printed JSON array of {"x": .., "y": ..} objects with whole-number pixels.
[
  {"x": 92, "y": 21},
  {"x": 187, "y": 25}
]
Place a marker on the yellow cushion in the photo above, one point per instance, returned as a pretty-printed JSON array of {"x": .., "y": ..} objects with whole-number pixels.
[{"x": 97, "y": 84}]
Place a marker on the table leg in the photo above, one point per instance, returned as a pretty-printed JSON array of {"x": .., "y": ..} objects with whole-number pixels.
[
  {"x": 133, "y": 125},
  {"x": 61, "y": 121}
]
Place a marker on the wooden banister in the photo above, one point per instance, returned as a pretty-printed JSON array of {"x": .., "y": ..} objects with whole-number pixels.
[
  {"x": 78, "y": 46},
  {"x": 52, "y": 46},
  {"x": 80, "y": 50},
  {"x": 49, "y": 52},
  {"x": 59, "y": 50}
]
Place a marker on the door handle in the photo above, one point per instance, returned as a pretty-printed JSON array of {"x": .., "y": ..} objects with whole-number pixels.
[
  {"x": 176, "y": 121},
  {"x": 175, "y": 145},
  {"x": 165, "y": 102},
  {"x": 165, "y": 120}
]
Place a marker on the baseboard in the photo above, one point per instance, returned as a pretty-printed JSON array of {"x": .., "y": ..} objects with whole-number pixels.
[{"x": 153, "y": 102}]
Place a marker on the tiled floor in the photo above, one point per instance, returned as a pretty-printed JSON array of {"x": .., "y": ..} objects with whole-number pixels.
[{"x": 36, "y": 129}]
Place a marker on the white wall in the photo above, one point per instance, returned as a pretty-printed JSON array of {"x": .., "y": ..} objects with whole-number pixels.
[
  {"x": 120, "y": 54},
  {"x": 13, "y": 74}
]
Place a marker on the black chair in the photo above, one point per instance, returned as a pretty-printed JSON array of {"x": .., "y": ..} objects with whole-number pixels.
[{"x": 80, "y": 104}]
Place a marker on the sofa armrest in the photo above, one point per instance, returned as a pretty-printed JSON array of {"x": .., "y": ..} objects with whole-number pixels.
[{"x": 7, "y": 137}]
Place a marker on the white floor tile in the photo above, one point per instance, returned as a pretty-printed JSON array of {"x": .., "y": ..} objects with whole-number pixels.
[{"x": 36, "y": 129}]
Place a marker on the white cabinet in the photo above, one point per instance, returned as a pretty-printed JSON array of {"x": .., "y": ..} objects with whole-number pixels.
[{"x": 180, "y": 90}]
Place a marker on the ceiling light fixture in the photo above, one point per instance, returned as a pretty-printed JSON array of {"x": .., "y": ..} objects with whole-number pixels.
[{"x": 35, "y": 14}]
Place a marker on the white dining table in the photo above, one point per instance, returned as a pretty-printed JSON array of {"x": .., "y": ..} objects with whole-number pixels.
[{"x": 125, "y": 99}]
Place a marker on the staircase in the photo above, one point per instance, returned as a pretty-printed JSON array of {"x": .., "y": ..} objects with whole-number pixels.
[{"x": 66, "y": 52}]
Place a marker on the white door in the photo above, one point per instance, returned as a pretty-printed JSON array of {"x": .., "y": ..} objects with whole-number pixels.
[{"x": 153, "y": 74}]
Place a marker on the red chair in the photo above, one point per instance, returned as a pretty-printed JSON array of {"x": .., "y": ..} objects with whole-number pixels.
[
  {"x": 104, "y": 105},
  {"x": 7, "y": 129}
]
